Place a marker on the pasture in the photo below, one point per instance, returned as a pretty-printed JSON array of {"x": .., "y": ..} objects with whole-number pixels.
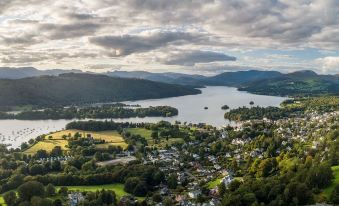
[
  {"x": 146, "y": 133},
  {"x": 60, "y": 139},
  {"x": 327, "y": 191},
  {"x": 117, "y": 188}
]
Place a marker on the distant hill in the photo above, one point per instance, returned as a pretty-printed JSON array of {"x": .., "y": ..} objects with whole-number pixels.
[
  {"x": 240, "y": 77},
  {"x": 167, "y": 77},
  {"x": 299, "y": 83},
  {"x": 71, "y": 89},
  {"x": 261, "y": 82}
]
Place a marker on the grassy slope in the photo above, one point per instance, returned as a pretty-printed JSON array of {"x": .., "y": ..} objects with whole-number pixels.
[
  {"x": 329, "y": 189},
  {"x": 2, "y": 201},
  {"x": 147, "y": 135},
  {"x": 111, "y": 138},
  {"x": 117, "y": 188},
  {"x": 212, "y": 184}
]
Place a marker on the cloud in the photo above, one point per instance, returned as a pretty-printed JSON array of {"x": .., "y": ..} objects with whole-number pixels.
[
  {"x": 142, "y": 33},
  {"x": 128, "y": 44},
  {"x": 329, "y": 64},
  {"x": 190, "y": 58},
  {"x": 64, "y": 31}
]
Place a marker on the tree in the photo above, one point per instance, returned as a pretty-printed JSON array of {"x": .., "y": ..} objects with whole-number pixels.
[
  {"x": 29, "y": 189},
  {"x": 172, "y": 181},
  {"x": 221, "y": 189},
  {"x": 37, "y": 169},
  {"x": 154, "y": 135},
  {"x": 38, "y": 201},
  {"x": 334, "y": 198},
  {"x": 140, "y": 189},
  {"x": 50, "y": 190},
  {"x": 63, "y": 191},
  {"x": 56, "y": 165},
  {"x": 57, "y": 202},
  {"x": 234, "y": 185},
  {"x": 10, "y": 198},
  {"x": 131, "y": 183},
  {"x": 107, "y": 197},
  {"x": 167, "y": 202},
  {"x": 41, "y": 153},
  {"x": 56, "y": 151},
  {"x": 319, "y": 176},
  {"x": 156, "y": 197}
]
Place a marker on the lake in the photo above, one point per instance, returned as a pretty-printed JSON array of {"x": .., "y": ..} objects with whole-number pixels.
[{"x": 191, "y": 110}]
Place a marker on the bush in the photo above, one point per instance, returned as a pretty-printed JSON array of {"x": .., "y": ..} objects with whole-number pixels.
[{"x": 29, "y": 189}]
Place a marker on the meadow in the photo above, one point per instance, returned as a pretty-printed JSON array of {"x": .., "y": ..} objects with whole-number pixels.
[
  {"x": 327, "y": 191},
  {"x": 56, "y": 139},
  {"x": 146, "y": 133},
  {"x": 2, "y": 201},
  {"x": 117, "y": 188}
]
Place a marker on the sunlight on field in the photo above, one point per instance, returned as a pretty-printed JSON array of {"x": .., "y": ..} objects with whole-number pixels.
[
  {"x": 329, "y": 189},
  {"x": 146, "y": 133},
  {"x": 47, "y": 145},
  {"x": 57, "y": 139},
  {"x": 2, "y": 201},
  {"x": 117, "y": 188}
]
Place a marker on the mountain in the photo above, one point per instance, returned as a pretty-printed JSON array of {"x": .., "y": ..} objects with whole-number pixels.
[
  {"x": 72, "y": 88},
  {"x": 299, "y": 83},
  {"x": 238, "y": 78},
  {"x": 167, "y": 77},
  {"x": 23, "y": 72}
]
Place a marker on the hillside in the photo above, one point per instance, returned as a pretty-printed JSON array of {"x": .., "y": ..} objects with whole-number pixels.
[
  {"x": 299, "y": 83},
  {"x": 24, "y": 72},
  {"x": 70, "y": 89},
  {"x": 239, "y": 77},
  {"x": 166, "y": 77}
]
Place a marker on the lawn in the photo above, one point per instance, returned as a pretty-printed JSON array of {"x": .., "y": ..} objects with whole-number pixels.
[
  {"x": 47, "y": 145},
  {"x": 329, "y": 189},
  {"x": 146, "y": 133},
  {"x": 117, "y": 188},
  {"x": 212, "y": 184},
  {"x": 110, "y": 137},
  {"x": 2, "y": 201}
]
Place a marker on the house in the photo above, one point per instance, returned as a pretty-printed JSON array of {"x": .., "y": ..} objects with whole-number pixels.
[
  {"x": 75, "y": 198},
  {"x": 226, "y": 180},
  {"x": 194, "y": 193}
]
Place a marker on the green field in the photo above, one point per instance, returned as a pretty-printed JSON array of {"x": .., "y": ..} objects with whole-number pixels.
[
  {"x": 110, "y": 137},
  {"x": 329, "y": 189},
  {"x": 117, "y": 188},
  {"x": 212, "y": 184},
  {"x": 2, "y": 201},
  {"x": 146, "y": 133}
]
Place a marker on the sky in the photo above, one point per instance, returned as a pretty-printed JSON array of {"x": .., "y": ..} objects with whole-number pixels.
[{"x": 188, "y": 36}]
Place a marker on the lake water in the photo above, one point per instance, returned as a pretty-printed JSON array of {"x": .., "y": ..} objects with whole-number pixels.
[{"x": 191, "y": 110}]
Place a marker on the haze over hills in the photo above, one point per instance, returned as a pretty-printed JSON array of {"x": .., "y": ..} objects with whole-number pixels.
[
  {"x": 23, "y": 72},
  {"x": 261, "y": 82},
  {"x": 70, "y": 89},
  {"x": 167, "y": 77},
  {"x": 296, "y": 83},
  {"x": 240, "y": 77}
]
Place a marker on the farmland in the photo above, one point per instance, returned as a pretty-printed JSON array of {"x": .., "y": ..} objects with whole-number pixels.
[
  {"x": 147, "y": 135},
  {"x": 117, "y": 188},
  {"x": 329, "y": 189},
  {"x": 60, "y": 139}
]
